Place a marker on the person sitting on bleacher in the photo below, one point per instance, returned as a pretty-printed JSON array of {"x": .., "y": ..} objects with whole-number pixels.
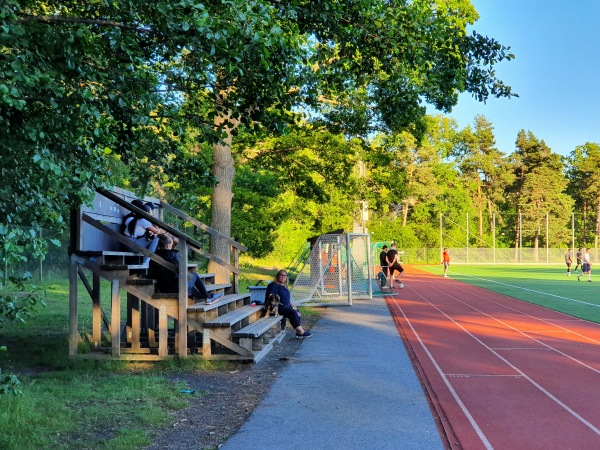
[
  {"x": 167, "y": 281},
  {"x": 140, "y": 230},
  {"x": 287, "y": 308}
]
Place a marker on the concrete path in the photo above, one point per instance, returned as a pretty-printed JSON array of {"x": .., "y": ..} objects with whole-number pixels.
[{"x": 350, "y": 386}]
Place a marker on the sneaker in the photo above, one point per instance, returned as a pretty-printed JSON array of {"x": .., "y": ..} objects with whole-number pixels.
[
  {"x": 213, "y": 298},
  {"x": 305, "y": 335},
  {"x": 589, "y": 281},
  {"x": 578, "y": 277}
]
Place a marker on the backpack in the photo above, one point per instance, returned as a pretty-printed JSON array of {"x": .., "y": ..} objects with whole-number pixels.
[{"x": 138, "y": 204}]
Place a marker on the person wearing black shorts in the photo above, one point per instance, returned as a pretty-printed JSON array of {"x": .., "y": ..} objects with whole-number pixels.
[
  {"x": 393, "y": 264},
  {"x": 383, "y": 260}
]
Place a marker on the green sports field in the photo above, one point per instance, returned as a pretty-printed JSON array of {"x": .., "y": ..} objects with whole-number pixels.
[{"x": 544, "y": 285}]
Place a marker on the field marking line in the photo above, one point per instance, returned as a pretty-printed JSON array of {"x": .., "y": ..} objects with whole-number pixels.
[
  {"x": 457, "y": 398},
  {"x": 508, "y": 363},
  {"x": 510, "y": 308},
  {"x": 527, "y": 289}
]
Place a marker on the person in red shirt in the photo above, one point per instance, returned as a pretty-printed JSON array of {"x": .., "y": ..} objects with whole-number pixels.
[{"x": 446, "y": 261}]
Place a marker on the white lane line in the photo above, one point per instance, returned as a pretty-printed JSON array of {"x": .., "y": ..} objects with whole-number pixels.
[
  {"x": 524, "y": 333},
  {"x": 521, "y": 348},
  {"x": 458, "y": 400},
  {"x": 508, "y": 363},
  {"x": 480, "y": 375},
  {"x": 530, "y": 290}
]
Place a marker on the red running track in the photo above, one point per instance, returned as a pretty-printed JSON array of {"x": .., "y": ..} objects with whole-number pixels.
[{"x": 501, "y": 373}]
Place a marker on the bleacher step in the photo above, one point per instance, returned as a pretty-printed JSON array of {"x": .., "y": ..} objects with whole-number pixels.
[{"x": 233, "y": 317}]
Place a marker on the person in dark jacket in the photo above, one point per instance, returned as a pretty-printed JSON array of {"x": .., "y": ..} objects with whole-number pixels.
[
  {"x": 167, "y": 281},
  {"x": 287, "y": 308}
]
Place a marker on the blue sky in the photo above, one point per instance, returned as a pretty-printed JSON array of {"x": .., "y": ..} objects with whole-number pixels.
[{"x": 556, "y": 72}]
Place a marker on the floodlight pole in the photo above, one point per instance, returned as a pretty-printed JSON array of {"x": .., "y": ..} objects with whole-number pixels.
[
  {"x": 467, "y": 238},
  {"x": 573, "y": 232},
  {"x": 441, "y": 233},
  {"x": 547, "y": 239},
  {"x": 494, "y": 235},
  {"x": 520, "y": 237}
]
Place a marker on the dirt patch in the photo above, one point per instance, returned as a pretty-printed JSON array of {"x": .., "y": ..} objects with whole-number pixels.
[{"x": 223, "y": 401}]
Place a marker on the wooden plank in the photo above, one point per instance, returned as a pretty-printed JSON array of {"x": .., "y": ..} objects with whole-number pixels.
[
  {"x": 267, "y": 348},
  {"x": 181, "y": 331},
  {"x": 163, "y": 332},
  {"x": 206, "y": 350},
  {"x": 233, "y": 317},
  {"x": 202, "y": 226},
  {"x": 255, "y": 329},
  {"x": 226, "y": 299},
  {"x": 222, "y": 337},
  {"x": 115, "y": 316}
]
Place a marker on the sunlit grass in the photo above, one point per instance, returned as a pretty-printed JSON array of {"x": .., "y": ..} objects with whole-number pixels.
[{"x": 75, "y": 404}]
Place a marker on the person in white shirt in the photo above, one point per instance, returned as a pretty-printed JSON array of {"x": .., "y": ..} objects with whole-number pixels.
[
  {"x": 586, "y": 267},
  {"x": 140, "y": 230}
]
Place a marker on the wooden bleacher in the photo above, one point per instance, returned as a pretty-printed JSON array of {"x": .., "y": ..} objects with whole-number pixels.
[{"x": 156, "y": 325}]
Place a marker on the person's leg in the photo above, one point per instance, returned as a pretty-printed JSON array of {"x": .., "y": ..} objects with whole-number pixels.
[
  {"x": 150, "y": 245},
  {"x": 196, "y": 288},
  {"x": 292, "y": 315},
  {"x": 199, "y": 288},
  {"x": 400, "y": 272}
]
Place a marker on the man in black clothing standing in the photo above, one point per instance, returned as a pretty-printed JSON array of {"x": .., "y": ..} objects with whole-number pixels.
[
  {"x": 383, "y": 260},
  {"x": 393, "y": 264}
]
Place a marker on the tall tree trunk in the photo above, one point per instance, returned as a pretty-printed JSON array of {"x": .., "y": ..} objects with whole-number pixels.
[
  {"x": 490, "y": 215},
  {"x": 223, "y": 170}
]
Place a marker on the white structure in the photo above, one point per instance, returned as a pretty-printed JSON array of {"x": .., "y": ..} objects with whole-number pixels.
[{"x": 337, "y": 270}]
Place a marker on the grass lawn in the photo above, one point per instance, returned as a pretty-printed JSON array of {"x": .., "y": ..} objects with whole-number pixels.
[
  {"x": 75, "y": 404},
  {"x": 544, "y": 285}
]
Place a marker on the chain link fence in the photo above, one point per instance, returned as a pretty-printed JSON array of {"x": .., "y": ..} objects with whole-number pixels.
[{"x": 463, "y": 255}]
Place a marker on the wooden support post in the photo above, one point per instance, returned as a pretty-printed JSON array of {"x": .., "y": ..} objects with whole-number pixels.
[
  {"x": 236, "y": 264},
  {"x": 96, "y": 311},
  {"x": 73, "y": 332},
  {"x": 134, "y": 329},
  {"x": 115, "y": 317},
  {"x": 163, "y": 332},
  {"x": 181, "y": 330},
  {"x": 206, "y": 352}
]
